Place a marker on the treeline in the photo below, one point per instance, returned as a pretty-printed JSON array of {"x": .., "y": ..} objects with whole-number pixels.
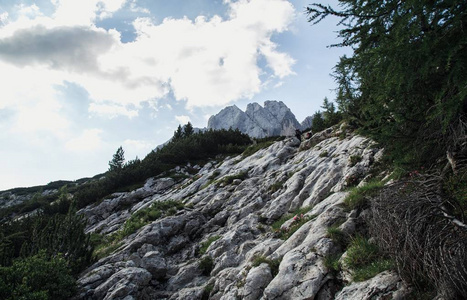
[
  {"x": 405, "y": 83},
  {"x": 185, "y": 146}
]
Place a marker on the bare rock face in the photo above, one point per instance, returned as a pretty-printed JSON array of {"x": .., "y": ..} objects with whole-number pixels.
[
  {"x": 274, "y": 119},
  {"x": 242, "y": 256}
]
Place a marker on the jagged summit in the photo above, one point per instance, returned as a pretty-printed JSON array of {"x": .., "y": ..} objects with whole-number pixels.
[{"x": 274, "y": 118}]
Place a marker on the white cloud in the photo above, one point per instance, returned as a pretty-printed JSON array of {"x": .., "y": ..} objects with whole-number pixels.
[
  {"x": 4, "y": 18},
  {"x": 205, "y": 62},
  {"x": 84, "y": 12},
  {"x": 137, "y": 148},
  {"x": 89, "y": 140},
  {"x": 112, "y": 110},
  {"x": 183, "y": 119}
]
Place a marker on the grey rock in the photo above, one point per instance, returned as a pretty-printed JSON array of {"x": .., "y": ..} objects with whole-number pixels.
[
  {"x": 257, "y": 280},
  {"x": 274, "y": 119},
  {"x": 386, "y": 285},
  {"x": 155, "y": 263},
  {"x": 161, "y": 260}
]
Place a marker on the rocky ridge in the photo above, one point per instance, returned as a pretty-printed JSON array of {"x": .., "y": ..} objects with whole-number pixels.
[
  {"x": 274, "y": 119},
  {"x": 163, "y": 259}
]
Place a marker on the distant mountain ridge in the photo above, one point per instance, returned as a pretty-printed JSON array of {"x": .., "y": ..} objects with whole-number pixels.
[{"x": 275, "y": 118}]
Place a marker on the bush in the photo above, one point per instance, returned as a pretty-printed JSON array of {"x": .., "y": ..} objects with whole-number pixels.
[
  {"x": 205, "y": 265},
  {"x": 37, "y": 277}
]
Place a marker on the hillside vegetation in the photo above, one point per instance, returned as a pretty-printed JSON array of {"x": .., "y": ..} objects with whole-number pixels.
[{"x": 405, "y": 86}]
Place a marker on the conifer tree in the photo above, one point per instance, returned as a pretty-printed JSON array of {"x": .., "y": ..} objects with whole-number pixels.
[
  {"x": 188, "y": 130},
  {"x": 118, "y": 160},
  {"x": 406, "y": 80}
]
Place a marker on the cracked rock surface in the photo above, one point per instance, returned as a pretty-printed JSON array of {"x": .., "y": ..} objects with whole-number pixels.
[{"x": 247, "y": 258}]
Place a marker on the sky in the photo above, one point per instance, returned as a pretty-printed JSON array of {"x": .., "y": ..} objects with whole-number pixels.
[{"x": 78, "y": 79}]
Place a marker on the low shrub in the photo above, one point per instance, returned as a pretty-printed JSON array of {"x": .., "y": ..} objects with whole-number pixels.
[
  {"x": 37, "y": 277},
  {"x": 273, "y": 263},
  {"x": 206, "y": 265}
]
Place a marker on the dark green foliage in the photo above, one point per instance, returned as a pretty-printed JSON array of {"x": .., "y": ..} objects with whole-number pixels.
[
  {"x": 51, "y": 234},
  {"x": 317, "y": 124},
  {"x": 331, "y": 262},
  {"x": 116, "y": 164},
  {"x": 455, "y": 188},
  {"x": 205, "y": 265},
  {"x": 37, "y": 277},
  {"x": 188, "y": 130},
  {"x": 152, "y": 213},
  {"x": 337, "y": 235},
  {"x": 329, "y": 117},
  {"x": 178, "y": 134},
  {"x": 354, "y": 159},
  {"x": 405, "y": 82},
  {"x": 188, "y": 148}
]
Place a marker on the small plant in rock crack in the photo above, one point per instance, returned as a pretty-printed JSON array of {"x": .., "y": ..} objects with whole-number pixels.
[
  {"x": 298, "y": 219},
  {"x": 354, "y": 159},
  {"x": 206, "y": 265},
  {"x": 205, "y": 245},
  {"x": 273, "y": 263}
]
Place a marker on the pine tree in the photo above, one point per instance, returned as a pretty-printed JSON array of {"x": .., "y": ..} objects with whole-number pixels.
[
  {"x": 405, "y": 82},
  {"x": 188, "y": 130},
  {"x": 118, "y": 160},
  {"x": 178, "y": 134}
]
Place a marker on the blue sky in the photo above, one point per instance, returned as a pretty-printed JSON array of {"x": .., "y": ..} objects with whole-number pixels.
[{"x": 81, "y": 78}]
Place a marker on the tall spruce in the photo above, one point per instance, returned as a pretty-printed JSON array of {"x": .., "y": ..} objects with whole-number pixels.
[{"x": 406, "y": 82}]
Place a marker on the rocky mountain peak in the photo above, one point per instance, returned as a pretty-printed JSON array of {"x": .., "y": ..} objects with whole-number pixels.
[{"x": 272, "y": 119}]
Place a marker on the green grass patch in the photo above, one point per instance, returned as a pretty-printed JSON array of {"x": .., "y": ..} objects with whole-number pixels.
[
  {"x": 273, "y": 263},
  {"x": 205, "y": 245},
  {"x": 369, "y": 271},
  {"x": 365, "y": 260},
  {"x": 331, "y": 262},
  {"x": 358, "y": 196},
  {"x": 337, "y": 235},
  {"x": 324, "y": 154}
]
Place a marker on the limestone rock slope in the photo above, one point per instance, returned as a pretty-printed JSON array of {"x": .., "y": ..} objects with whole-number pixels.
[
  {"x": 245, "y": 258},
  {"x": 274, "y": 119}
]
